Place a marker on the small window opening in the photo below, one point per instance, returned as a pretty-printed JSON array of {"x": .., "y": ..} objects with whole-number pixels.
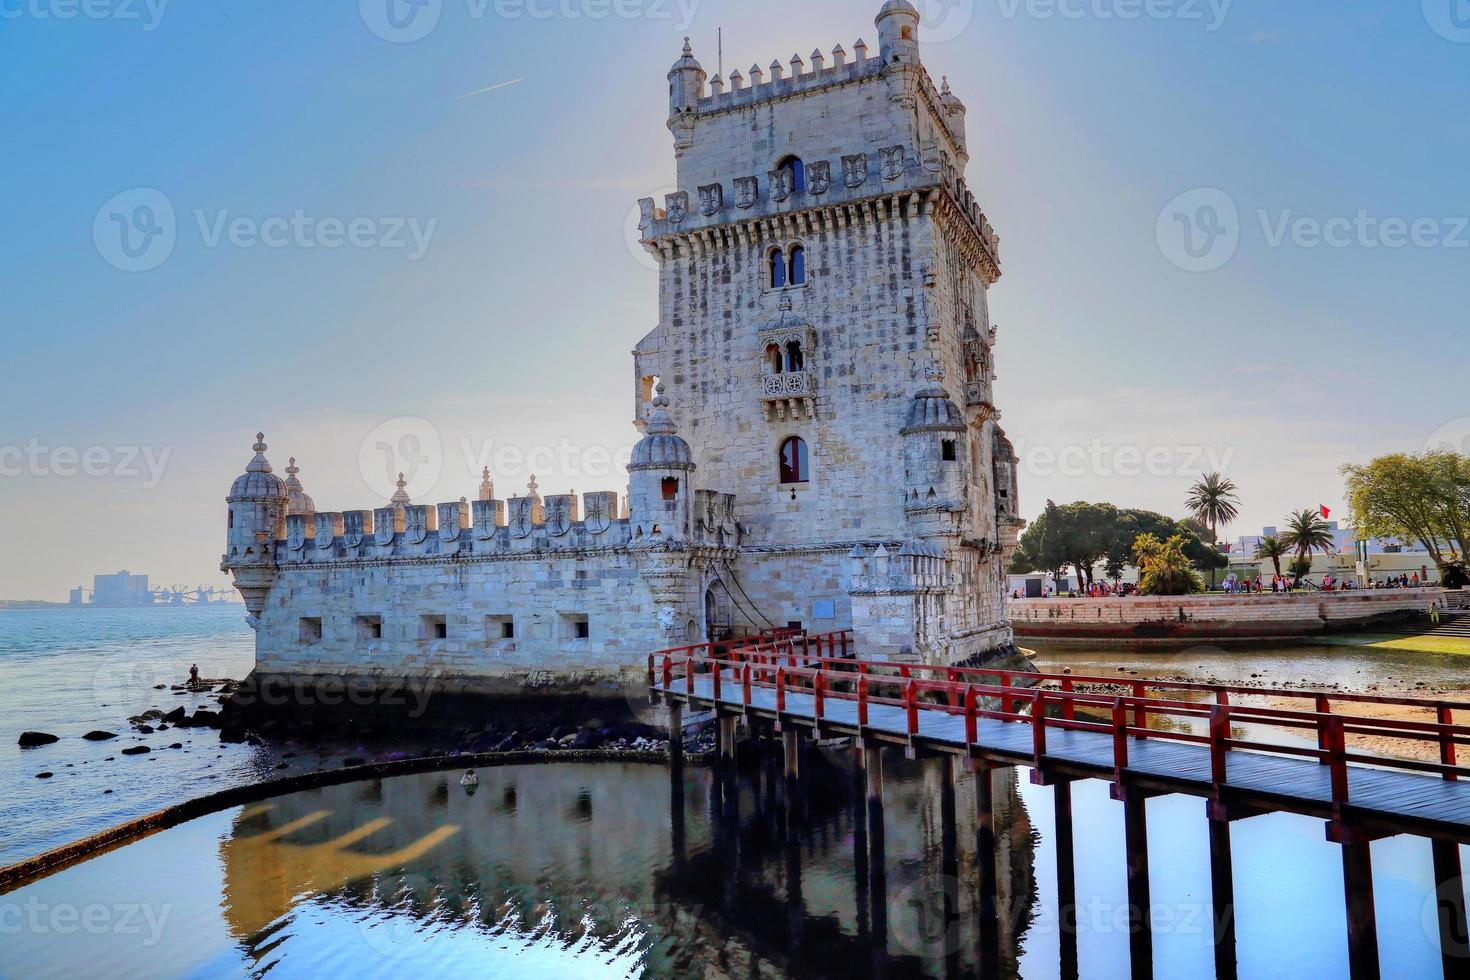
[{"x": 670, "y": 488}]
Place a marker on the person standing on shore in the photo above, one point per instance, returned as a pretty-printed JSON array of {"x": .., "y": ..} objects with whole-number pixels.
[{"x": 1434, "y": 613}]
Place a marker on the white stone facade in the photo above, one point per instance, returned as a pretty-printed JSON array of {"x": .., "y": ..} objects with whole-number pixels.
[{"x": 874, "y": 349}]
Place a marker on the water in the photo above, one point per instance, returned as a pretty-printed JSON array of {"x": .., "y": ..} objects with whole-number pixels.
[
  {"x": 567, "y": 870},
  {"x": 68, "y": 672}
]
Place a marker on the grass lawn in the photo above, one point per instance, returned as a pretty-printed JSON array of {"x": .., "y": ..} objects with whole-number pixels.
[{"x": 1401, "y": 641}]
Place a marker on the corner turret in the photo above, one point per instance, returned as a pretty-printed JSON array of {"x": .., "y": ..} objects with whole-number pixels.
[
  {"x": 659, "y": 494},
  {"x": 898, "y": 33},
  {"x": 686, "y": 88},
  {"x": 257, "y": 520}
]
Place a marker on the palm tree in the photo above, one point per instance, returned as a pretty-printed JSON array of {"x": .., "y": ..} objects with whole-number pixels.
[
  {"x": 1273, "y": 548},
  {"x": 1306, "y": 533},
  {"x": 1212, "y": 501}
]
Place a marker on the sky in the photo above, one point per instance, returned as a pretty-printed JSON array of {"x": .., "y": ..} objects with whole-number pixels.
[{"x": 1234, "y": 237}]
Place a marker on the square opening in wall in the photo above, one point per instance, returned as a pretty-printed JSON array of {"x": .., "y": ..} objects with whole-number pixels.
[
  {"x": 947, "y": 451},
  {"x": 370, "y": 627},
  {"x": 576, "y": 626},
  {"x": 311, "y": 630},
  {"x": 499, "y": 628},
  {"x": 433, "y": 628}
]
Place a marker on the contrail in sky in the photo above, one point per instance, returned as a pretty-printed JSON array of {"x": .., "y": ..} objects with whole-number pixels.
[{"x": 482, "y": 91}]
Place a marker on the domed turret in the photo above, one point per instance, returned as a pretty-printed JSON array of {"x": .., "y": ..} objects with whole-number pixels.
[
  {"x": 297, "y": 501},
  {"x": 898, "y": 32},
  {"x": 659, "y": 493},
  {"x": 257, "y": 520}
]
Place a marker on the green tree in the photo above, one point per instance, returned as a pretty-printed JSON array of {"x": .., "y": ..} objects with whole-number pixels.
[
  {"x": 1213, "y": 502},
  {"x": 1164, "y": 569},
  {"x": 1307, "y": 533},
  {"x": 1423, "y": 498},
  {"x": 1041, "y": 548},
  {"x": 1273, "y": 548}
]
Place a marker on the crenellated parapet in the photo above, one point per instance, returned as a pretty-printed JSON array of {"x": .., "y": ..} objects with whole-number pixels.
[{"x": 857, "y": 189}]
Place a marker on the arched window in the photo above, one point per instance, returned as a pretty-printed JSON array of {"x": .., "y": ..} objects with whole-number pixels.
[
  {"x": 797, "y": 169},
  {"x": 773, "y": 358},
  {"x": 794, "y": 466},
  {"x": 798, "y": 265},
  {"x": 778, "y": 269},
  {"x": 794, "y": 361}
]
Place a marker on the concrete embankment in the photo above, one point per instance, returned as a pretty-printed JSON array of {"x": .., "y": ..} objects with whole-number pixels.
[{"x": 1222, "y": 618}]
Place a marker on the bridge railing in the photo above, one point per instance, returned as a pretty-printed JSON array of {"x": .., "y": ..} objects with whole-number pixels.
[{"x": 1123, "y": 717}]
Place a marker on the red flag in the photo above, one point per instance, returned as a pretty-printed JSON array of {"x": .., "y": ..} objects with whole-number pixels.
[{"x": 1325, "y": 512}]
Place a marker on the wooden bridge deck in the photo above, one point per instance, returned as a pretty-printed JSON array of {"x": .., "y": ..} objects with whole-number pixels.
[{"x": 1380, "y": 799}]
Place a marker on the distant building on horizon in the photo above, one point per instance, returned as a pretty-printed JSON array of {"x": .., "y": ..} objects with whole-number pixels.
[{"x": 118, "y": 589}]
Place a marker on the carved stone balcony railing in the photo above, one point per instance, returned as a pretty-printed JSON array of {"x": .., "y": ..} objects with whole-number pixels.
[{"x": 790, "y": 395}]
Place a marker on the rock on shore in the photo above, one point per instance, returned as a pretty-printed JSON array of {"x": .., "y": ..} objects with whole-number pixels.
[{"x": 31, "y": 740}]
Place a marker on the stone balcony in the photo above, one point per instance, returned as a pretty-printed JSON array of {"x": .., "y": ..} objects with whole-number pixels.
[{"x": 790, "y": 395}]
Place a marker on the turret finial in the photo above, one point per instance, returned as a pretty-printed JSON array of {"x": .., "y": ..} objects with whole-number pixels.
[
  {"x": 688, "y": 48},
  {"x": 260, "y": 445},
  {"x": 487, "y": 485},
  {"x": 400, "y": 496},
  {"x": 259, "y": 464}
]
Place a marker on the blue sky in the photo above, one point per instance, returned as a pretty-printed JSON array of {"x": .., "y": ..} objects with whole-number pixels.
[{"x": 511, "y": 330}]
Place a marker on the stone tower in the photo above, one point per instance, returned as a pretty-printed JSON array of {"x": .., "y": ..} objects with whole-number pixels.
[{"x": 823, "y": 270}]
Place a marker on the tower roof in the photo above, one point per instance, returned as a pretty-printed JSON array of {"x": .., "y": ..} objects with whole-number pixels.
[
  {"x": 661, "y": 446},
  {"x": 897, "y": 7},
  {"x": 687, "y": 61},
  {"x": 933, "y": 411},
  {"x": 947, "y": 96},
  {"x": 258, "y": 482}
]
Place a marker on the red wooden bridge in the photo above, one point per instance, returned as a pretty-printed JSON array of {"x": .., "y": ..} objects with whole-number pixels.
[{"x": 1146, "y": 737}]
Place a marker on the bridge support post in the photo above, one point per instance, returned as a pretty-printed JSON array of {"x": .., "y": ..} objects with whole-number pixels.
[
  {"x": 676, "y": 734},
  {"x": 1357, "y": 882},
  {"x": 988, "y": 906},
  {"x": 870, "y": 760},
  {"x": 727, "y": 738},
  {"x": 1066, "y": 879},
  {"x": 1454, "y": 939},
  {"x": 1222, "y": 896},
  {"x": 791, "y": 751},
  {"x": 1140, "y": 928}
]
